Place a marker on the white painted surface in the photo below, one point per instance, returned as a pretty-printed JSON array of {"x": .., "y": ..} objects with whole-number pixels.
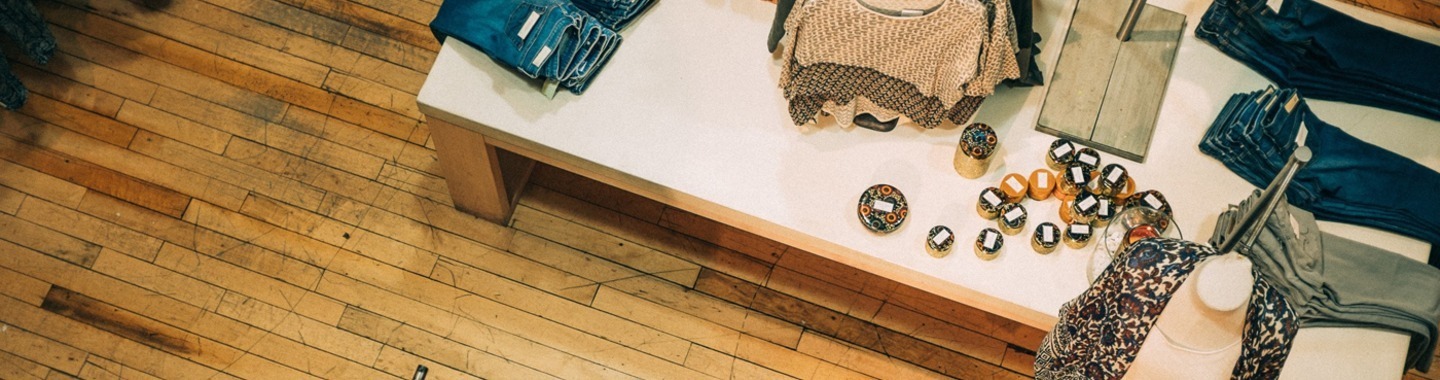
[{"x": 688, "y": 112}]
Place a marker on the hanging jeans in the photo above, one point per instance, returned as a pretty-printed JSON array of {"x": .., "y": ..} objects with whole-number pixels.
[
  {"x": 547, "y": 39},
  {"x": 1336, "y": 282},
  {"x": 1326, "y": 54},
  {"x": 1347, "y": 180}
]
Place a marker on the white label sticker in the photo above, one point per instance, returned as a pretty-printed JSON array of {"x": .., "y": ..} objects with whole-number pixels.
[
  {"x": 1041, "y": 181},
  {"x": 529, "y": 24},
  {"x": 1014, "y": 214},
  {"x": 1061, "y": 150},
  {"x": 1151, "y": 201},
  {"x": 1115, "y": 174},
  {"x": 989, "y": 239},
  {"x": 940, "y": 237},
  {"x": 1300, "y": 136},
  {"x": 540, "y": 58},
  {"x": 1080, "y": 228},
  {"x": 1104, "y": 207},
  {"x": 1078, "y": 174},
  {"x": 1088, "y": 159},
  {"x": 911, "y": 12},
  {"x": 883, "y": 206},
  {"x": 1013, "y": 184},
  {"x": 1046, "y": 234},
  {"x": 1086, "y": 203},
  {"x": 990, "y": 197}
]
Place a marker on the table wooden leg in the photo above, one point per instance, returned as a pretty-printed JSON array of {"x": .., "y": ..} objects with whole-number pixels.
[{"x": 483, "y": 181}]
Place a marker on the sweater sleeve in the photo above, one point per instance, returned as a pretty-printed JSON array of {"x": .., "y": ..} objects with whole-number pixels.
[
  {"x": 997, "y": 54},
  {"x": 787, "y": 42}
]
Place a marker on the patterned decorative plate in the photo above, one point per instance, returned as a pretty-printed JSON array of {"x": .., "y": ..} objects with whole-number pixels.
[{"x": 883, "y": 208}]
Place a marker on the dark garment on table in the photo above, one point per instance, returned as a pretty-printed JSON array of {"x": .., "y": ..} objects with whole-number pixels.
[
  {"x": 1326, "y": 54},
  {"x": 1331, "y": 281},
  {"x": 1348, "y": 180},
  {"x": 1029, "y": 47},
  {"x": 1100, "y": 332},
  {"x": 22, "y": 23}
]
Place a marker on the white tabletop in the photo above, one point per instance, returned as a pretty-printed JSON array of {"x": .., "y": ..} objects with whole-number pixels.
[{"x": 689, "y": 106}]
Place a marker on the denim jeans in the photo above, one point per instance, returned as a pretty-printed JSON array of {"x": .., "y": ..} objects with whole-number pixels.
[
  {"x": 546, "y": 39},
  {"x": 1326, "y": 54},
  {"x": 614, "y": 14},
  {"x": 1347, "y": 180},
  {"x": 1336, "y": 282}
]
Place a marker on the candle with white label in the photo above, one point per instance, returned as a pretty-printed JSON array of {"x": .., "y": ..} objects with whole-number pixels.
[
  {"x": 1061, "y": 153},
  {"x": 1045, "y": 239},
  {"x": 940, "y": 241},
  {"x": 988, "y": 244},
  {"x": 1077, "y": 235},
  {"x": 1013, "y": 219},
  {"x": 1042, "y": 184},
  {"x": 988, "y": 206}
]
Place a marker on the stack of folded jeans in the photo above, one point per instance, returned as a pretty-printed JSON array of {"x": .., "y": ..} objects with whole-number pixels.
[
  {"x": 1347, "y": 180},
  {"x": 564, "y": 42},
  {"x": 1327, "y": 54},
  {"x": 1331, "y": 281}
]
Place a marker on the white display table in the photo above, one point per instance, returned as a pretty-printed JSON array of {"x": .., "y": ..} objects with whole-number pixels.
[{"x": 688, "y": 113}]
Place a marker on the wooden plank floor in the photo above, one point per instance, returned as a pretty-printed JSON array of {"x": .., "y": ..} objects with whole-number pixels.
[{"x": 226, "y": 189}]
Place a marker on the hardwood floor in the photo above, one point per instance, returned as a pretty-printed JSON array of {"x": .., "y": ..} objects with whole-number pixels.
[{"x": 245, "y": 189}]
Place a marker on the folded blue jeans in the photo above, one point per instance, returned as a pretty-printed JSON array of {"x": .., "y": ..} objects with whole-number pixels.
[
  {"x": 546, "y": 39},
  {"x": 1347, "y": 180},
  {"x": 1327, "y": 54}
]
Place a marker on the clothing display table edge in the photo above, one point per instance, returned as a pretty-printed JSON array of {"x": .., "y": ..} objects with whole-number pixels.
[{"x": 721, "y": 92}]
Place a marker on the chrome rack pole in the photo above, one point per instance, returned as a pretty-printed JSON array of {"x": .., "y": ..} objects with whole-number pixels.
[
  {"x": 1245, "y": 232},
  {"x": 1131, "y": 17}
]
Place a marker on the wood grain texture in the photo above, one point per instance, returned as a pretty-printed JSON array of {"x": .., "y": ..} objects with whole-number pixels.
[
  {"x": 234, "y": 189},
  {"x": 1426, "y": 12}
]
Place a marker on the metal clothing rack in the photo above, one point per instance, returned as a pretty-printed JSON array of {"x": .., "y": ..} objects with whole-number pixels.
[{"x": 1245, "y": 232}]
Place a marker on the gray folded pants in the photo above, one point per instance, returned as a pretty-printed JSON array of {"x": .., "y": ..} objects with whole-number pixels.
[{"x": 1331, "y": 281}]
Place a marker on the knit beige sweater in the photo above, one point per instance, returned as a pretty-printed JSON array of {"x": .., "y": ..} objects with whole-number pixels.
[{"x": 891, "y": 58}]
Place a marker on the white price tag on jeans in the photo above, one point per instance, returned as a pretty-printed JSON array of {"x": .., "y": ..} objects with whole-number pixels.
[
  {"x": 529, "y": 24},
  {"x": 940, "y": 237},
  {"x": 1301, "y": 134},
  {"x": 883, "y": 206},
  {"x": 540, "y": 57}
]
